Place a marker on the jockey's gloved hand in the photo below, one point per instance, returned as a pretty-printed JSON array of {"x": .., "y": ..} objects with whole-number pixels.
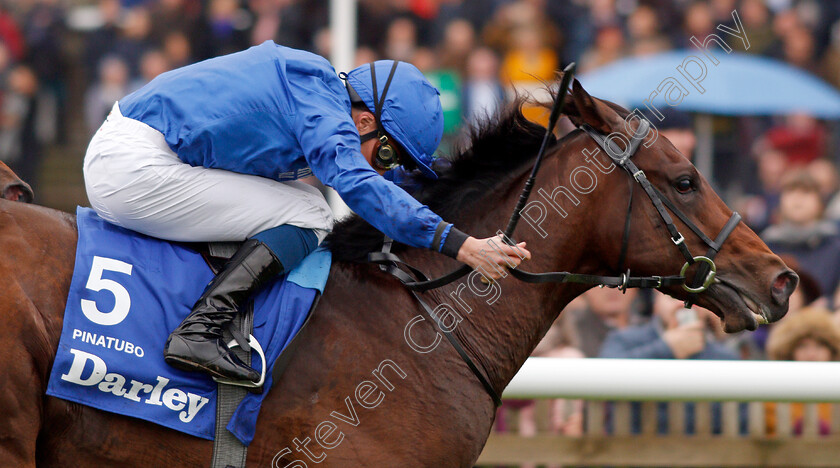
[{"x": 480, "y": 253}]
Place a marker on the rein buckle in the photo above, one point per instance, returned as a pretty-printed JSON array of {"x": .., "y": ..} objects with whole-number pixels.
[
  {"x": 638, "y": 174},
  {"x": 710, "y": 277},
  {"x": 658, "y": 282}
]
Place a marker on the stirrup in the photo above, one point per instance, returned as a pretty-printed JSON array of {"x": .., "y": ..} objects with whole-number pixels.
[{"x": 255, "y": 345}]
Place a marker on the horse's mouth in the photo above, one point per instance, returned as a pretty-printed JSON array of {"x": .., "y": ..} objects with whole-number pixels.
[{"x": 735, "y": 307}]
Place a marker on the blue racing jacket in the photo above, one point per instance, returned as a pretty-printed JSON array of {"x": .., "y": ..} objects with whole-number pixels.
[{"x": 280, "y": 113}]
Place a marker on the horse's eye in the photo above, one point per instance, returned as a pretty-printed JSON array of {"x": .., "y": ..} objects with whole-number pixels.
[{"x": 684, "y": 185}]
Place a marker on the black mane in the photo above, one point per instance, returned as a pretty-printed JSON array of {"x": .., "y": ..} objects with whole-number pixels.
[{"x": 498, "y": 150}]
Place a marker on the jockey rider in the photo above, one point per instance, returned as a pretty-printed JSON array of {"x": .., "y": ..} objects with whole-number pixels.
[{"x": 212, "y": 151}]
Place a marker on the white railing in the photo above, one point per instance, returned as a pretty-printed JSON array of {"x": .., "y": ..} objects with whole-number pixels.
[
  {"x": 617, "y": 432},
  {"x": 690, "y": 380}
]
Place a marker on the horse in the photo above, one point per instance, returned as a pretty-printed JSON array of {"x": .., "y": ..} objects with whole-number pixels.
[
  {"x": 372, "y": 383},
  {"x": 12, "y": 187}
]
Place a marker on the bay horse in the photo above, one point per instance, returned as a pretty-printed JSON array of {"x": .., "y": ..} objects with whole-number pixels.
[
  {"x": 12, "y": 187},
  {"x": 368, "y": 386}
]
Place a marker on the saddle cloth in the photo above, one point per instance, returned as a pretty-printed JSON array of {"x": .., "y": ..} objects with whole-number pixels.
[{"x": 128, "y": 292}]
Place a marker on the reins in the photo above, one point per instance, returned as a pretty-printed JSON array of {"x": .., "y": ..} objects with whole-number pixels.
[{"x": 417, "y": 282}]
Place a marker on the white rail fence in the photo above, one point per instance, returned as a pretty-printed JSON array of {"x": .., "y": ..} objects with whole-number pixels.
[
  {"x": 688, "y": 380},
  {"x": 770, "y": 413}
]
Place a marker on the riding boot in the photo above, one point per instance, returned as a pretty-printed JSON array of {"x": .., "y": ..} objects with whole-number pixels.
[{"x": 197, "y": 344}]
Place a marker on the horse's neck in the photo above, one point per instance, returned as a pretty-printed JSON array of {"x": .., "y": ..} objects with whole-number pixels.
[{"x": 503, "y": 327}]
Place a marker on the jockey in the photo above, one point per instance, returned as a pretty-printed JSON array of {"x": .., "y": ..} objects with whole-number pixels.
[{"x": 212, "y": 152}]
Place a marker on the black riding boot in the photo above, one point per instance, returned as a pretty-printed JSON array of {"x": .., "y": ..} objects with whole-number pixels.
[{"x": 197, "y": 345}]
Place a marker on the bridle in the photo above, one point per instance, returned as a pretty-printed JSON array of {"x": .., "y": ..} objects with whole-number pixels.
[
  {"x": 705, "y": 276},
  {"x": 417, "y": 282}
]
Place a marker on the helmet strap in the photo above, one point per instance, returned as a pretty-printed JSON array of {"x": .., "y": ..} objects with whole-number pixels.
[
  {"x": 369, "y": 135},
  {"x": 378, "y": 104}
]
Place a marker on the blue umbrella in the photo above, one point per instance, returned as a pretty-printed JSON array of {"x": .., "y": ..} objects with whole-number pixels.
[{"x": 739, "y": 84}]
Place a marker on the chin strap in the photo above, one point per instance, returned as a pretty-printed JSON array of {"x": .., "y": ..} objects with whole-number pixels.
[{"x": 369, "y": 136}]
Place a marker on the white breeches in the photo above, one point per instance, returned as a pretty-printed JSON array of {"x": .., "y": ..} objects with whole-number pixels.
[{"x": 134, "y": 180}]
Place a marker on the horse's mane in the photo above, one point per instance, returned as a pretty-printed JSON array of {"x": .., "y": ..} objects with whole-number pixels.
[{"x": 496, "y": 151}]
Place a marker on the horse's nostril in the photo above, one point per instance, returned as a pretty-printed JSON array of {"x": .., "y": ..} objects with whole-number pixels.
[{"x": 783, "y": 286}]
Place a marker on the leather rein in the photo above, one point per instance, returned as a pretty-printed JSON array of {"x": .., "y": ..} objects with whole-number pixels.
[{"x": 417, "y": 282}]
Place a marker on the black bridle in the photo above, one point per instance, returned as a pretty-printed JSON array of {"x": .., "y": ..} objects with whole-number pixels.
[
  {"x": 705, "y": 276},
  {"x": 417, "y": 282}
]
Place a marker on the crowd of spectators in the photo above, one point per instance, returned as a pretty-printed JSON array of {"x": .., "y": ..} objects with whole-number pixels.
[{"x": 780, "y": 172}]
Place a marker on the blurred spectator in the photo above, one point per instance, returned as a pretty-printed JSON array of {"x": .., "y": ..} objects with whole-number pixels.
[
  {"x": 756, "y": 19},
  {"x": 374, "y": 16},
  {"x": 810, "y": 335},
  {"x": 174, "y": 15},
  {"x": 483, "y": 93},
  {"x": 476, "y": 12},
  {"x": 458, "y": 42},
  {"x": 698, "y": 22},
  {"x": 760, "y": 211},
  {"x": 673, "y": 333},
  {"x": 44, "y": 33},
  {"x": 152, "y": 64},
  {"x": 798, "y": 49},
  {"x": 804, "y": 234},
  {"x": 605, "y": 310},
  {"x": 529, "y": 60},
  {"x": 831, "y": 58},
  {"x": 19, "y": 145},
  {"x": 224, "y": 30},
  {"x": 177, "y": 50},
  {"x": 299, "y": 21},
  {"x": 100, "y": 40},
  {"x": 113, "y": 83},
  {"x": 825, "y": 174},
  {"x": 322, "y": 42},
  {"x": 644, "y": 31},
  {"x": 448, "y": 83},
  {"x": 134, "y": 39},
  {"x": 503, "y": 34},
  {"x": 801, "y": 138},
  {"x": 722, "y": 10},
  {"x": 267, "y": 20},
  {"x": 400, "y": 40},
  {"x": 10, "y": 34},
  {"x": 784, "y": 22},
  {"x": 603, "y": 12},
  {"x": 608, "y": 47}
]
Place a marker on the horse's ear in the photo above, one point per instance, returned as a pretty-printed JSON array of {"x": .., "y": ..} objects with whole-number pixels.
[{"x": 581, "y": 108}]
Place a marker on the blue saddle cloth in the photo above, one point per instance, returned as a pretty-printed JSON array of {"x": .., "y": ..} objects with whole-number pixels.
[{"x": 128, "y": 292}]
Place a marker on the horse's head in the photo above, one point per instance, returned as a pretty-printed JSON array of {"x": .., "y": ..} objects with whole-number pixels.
[
  {"x": 12, "y": 187},
  {"x": 752, "y": 284}
]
